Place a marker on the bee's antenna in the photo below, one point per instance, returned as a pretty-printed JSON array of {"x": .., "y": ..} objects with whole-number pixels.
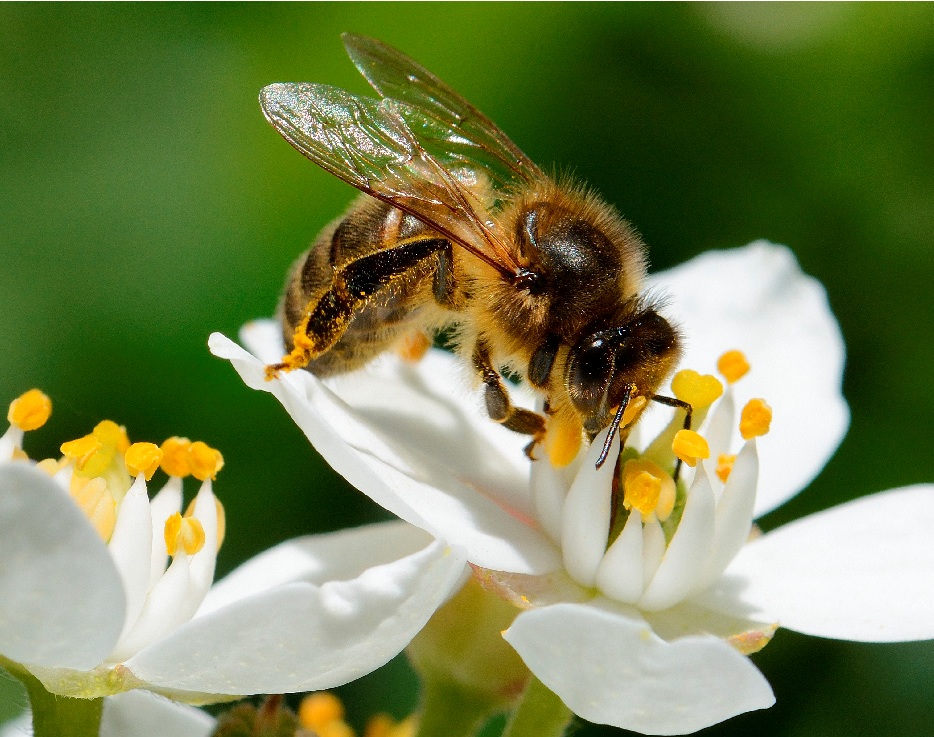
[{"x": 614, "y": 425}]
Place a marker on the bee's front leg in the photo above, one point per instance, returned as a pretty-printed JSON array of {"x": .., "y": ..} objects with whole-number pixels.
[{"x": 498, "y": 405}]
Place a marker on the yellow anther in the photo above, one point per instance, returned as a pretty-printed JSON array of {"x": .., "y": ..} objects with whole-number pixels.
[
  {"x": 204, "y": 461},
  {"x": 698, "y": 390},
  {"x": 52, "y": 465},
  {"x": 383, "y": 725},
  {"x": 19, "y": 454},
  {"x": 336, "y": 729},
  {"x": 733, "y": 366},
  {"x": 81, "y": 450},
  {"x": 175, "y": 461},
  {"x": 221, "y": 518},
  {"x": 725, "y": 466},
  {"x": 755, "y": 419},
  {"x": 648, "y": 488},
  {"x": 94, "y": 499},
  {"x": 113, "y": 443},
  {"x": 690, "y": 447},
  {"x": 318, "y": 710},
  {"x": 112, "y": 435},
  {"x": 633, "y": 410},
  {"x": 30, "y": 411},
  {"x": 185, "y": 533},
  {"x": 142, "y": 459}
]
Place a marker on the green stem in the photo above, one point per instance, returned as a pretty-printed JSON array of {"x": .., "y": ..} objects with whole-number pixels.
[
  {"x": 450, "y": 710},
  {"x": 539, "y": 714},
  {"x": 58, "y": 716}
]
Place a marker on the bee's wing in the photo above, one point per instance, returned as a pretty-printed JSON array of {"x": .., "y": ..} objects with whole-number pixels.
[
  {"x": 464, "y": 129},
  {"x": 370, "y": 144}
]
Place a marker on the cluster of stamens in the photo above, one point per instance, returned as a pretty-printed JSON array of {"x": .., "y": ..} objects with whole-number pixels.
[
  {"x": 618, "y": 528},
  {"x": 646, "y": 485},
  {"x": 99, "y": 468}
]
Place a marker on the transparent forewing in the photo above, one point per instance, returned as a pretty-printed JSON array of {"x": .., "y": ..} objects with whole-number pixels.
[
  {"x": 463, "y": 129},
  {"x": 371, "y": 144}
]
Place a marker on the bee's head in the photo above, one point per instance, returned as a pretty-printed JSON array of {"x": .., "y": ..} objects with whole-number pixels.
[{"x": 642, "y": 350}]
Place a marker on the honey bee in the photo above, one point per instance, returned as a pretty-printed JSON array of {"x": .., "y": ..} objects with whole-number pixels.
[{"x": 457, "y": 228}]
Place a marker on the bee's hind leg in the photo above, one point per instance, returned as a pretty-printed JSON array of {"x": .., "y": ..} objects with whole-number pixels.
[
  {"x": 352, "y": 288},
  {"x": 500, "y": 408}
]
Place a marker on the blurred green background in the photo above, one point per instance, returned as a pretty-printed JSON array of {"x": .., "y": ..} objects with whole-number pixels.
[{"x": 144, "y": 203}]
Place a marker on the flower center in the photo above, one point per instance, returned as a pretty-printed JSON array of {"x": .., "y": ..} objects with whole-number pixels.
[
  {"x": 686, "y": 531},
  {"x": 103, "y": 464}
]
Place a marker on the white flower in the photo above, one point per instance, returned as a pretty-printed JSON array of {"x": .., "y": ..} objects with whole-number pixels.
[
  {"x": 89, "y": 606},
  {"x": 135, "y": 714},
  {"x": 649, "y": 634}
]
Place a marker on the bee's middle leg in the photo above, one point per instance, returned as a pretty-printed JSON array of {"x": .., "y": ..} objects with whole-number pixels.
[{"x": 498, "y": 405}]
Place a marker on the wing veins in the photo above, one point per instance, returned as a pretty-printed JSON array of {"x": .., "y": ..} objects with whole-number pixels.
[{"x": 336, "y": 130}]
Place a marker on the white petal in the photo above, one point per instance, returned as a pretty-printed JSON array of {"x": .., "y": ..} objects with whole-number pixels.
[
  {"x": 301, "y": 637},
  {"x": 620, "y": 575},
  {"x": 377, "y": 454},
  {"x": 144, "y": 714},
  {"x": 61, "y": 600},
  {"x": 586, "y": 521},
  {"x": 612, "y": 669},
  {"x": 692, "y": 618},
  {"x": 10, "y": 441},
  {"x": 434, "y": 408},
  {"x": 861, "y": 571},
  {"x": 166, "y": 607},
  {"x": 688, "y": 552},
  {"x": 548, "y": 492},
  {"x": 734, "y": 512},
  {"x": 20, "y": 726},
  {"x": 721, "y": 425},
  {"x": 317, "y": 559},
  {"x": 262, "y": 338},
  {"x": 163, "y": 505},
  {"x": 131, "y": 547},
  {"x": 758, "y": 300}
]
